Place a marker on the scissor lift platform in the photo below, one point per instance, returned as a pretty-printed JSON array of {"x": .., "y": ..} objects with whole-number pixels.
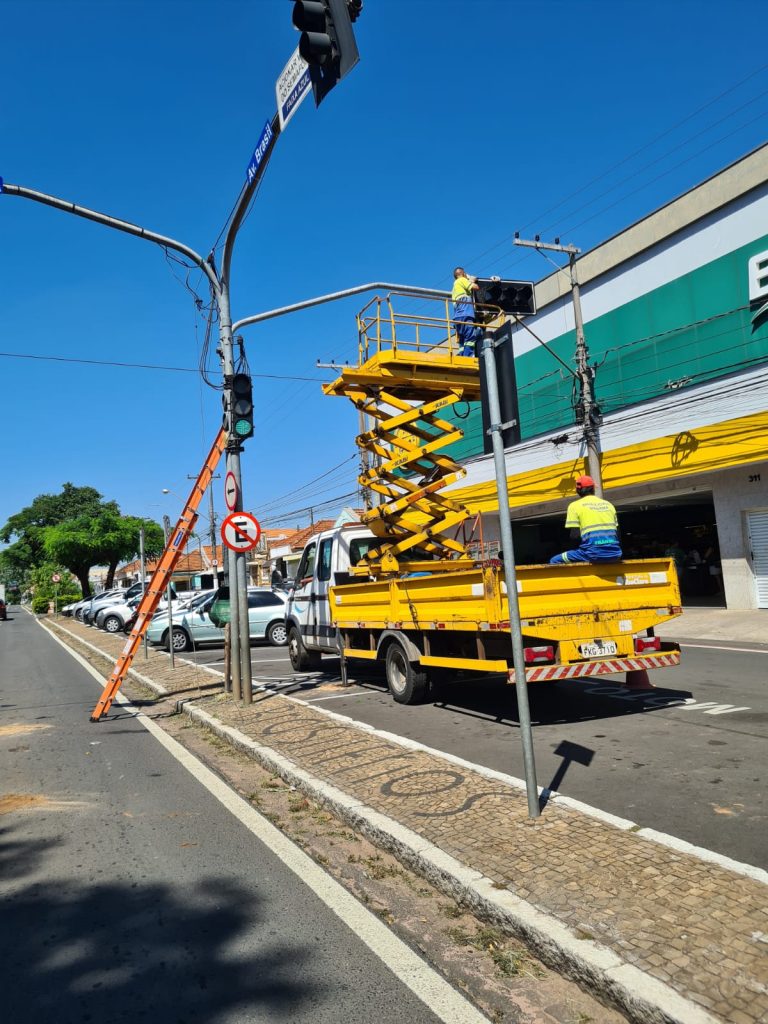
[{"x": 408, "y": 372}]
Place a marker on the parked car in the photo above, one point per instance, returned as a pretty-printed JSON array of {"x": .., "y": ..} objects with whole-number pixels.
[
  {"x": 106, "y": 597},
  {"x": 193, "y": 625},
  {"x": 3, "y": 610},
  {"x": 121, "y": 615},
  {"x": 113, "y": 617}
]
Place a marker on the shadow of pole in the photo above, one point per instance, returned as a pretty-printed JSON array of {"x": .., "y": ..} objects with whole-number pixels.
[{"x": 571, "y": 753}]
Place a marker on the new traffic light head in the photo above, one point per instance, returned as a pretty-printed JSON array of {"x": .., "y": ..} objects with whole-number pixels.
[
  {"x": 327, "y": 41},
  {"x": 242, "y": 406},
  {"x": 515, "y": 297}
]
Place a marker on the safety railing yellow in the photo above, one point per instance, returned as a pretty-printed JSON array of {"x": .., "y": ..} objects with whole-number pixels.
[{"x": 383, "y": 328}]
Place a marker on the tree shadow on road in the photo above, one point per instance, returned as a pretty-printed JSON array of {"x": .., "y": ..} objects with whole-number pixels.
[{"x": 74, "y": 950}]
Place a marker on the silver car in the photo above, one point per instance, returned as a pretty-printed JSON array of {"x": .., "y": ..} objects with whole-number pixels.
[{"x": 193, "y": 626}]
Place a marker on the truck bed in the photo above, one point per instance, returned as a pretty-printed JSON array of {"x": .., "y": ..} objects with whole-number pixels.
[{"x": 567, "y": 606}]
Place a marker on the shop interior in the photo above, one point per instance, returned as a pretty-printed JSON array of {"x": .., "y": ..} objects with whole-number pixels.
[{"x": 682, "y": 527}]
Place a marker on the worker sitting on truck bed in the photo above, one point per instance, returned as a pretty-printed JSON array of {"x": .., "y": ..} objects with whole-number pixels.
[{"x": 593, "y": 521}]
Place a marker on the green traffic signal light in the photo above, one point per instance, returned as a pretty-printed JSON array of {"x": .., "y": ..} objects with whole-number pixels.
[{"x": 242, "y": 405}]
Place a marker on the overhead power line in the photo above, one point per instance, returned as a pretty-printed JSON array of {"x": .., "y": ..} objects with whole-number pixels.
[{"x": 145, "y": 366}]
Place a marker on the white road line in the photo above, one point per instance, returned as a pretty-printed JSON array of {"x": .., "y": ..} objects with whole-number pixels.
[
  {"x": 713, "y": 647},
  {"x": 338, "y": 696},
  {"x": 426, "y": 984}
]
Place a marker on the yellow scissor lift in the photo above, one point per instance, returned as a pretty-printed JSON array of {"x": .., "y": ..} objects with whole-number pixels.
[{"x": 408, "y": 372}]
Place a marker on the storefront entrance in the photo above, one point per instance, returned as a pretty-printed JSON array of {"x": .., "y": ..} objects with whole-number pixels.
[{"x": 682, "y": 527}]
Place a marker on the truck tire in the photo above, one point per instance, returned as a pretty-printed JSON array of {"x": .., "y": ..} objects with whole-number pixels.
[
  {"x": 407, "y": 684},
  {"x": 302, "y": 660}
]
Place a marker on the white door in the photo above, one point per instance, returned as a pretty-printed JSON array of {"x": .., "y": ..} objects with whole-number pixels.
[
  {"x": 324, "y": 632},
  {"x": 757, "y": 524}
]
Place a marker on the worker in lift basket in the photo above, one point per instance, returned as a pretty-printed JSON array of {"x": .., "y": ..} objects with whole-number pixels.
[
  {"x": 464, "y": 310},
  {"x": 593, "y": 521}
]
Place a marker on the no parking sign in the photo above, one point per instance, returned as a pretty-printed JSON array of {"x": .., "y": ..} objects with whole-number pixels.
[{"x": 240, "y": 531}]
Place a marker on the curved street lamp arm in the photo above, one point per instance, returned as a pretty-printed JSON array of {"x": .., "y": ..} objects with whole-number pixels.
[
  {"x": 244, "y": 201},
  {"x": 404, "y": 289},
  {"x": 113, "y": 222}
]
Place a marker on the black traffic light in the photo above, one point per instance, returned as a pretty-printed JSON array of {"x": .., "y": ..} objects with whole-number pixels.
[
  {"x": 504, "y": 356},
  {"x": 327, "y": 41},
  {"x": 516, "y": 297},
  {"x": 242, "y": 406}
]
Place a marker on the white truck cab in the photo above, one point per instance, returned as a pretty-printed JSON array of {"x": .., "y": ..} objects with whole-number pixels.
[{"x": 325, "y": 562}]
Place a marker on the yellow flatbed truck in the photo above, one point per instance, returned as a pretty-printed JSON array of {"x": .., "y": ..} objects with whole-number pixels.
[{"x": 580, "y": 620}]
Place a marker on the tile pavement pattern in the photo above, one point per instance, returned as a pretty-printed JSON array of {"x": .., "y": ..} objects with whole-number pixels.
[{"x": 691, "y": 924}]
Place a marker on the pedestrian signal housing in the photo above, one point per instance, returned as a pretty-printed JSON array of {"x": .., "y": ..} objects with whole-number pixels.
[
  {"x": 513, "y": 297},
  {"x": 327, "y": 41}
]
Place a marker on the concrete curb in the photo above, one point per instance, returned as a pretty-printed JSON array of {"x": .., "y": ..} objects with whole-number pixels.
[
  {"x": 157, "y": 688},
  {"x": 644, "y": 999}
]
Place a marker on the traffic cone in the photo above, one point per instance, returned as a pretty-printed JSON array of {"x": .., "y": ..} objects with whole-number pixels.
[{"x": 638, "y": 680}]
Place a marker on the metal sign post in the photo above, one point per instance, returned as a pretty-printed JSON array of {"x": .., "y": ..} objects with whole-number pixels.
[{"x": 505, "y": 529}]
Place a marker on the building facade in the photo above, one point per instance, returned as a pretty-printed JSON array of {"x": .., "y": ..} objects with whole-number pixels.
[{"x": 676, "y": 321}]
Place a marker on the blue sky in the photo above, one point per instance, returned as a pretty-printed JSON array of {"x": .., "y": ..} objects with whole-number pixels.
[{"x": 462, "y": 123}]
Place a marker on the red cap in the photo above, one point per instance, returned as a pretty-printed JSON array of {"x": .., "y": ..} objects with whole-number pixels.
[{"x": 585, "y": 481}]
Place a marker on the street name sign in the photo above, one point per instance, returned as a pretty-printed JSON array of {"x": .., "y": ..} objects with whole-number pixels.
[
  {"x": 240, "y": 531},
  {"x": 291, "y": 87},
  {"x": 262, "y": 148},
  {"x": 231, "y": 492}
]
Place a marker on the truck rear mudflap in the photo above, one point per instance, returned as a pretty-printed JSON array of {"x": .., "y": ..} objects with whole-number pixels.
[{"x": 666, "y": 658}]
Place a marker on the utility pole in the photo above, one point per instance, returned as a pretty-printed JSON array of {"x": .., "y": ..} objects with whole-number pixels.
[
  {"x": 143, "y": 570},
  {"x": 586, "y": 374},
  {"x": 211, "y": 525},
  {"x": 169, "y": 594}
]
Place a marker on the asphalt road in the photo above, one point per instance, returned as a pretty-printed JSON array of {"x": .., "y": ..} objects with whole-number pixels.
[
  {"x": 131, "y": 894},
  {"x": 686, "y": 758}
]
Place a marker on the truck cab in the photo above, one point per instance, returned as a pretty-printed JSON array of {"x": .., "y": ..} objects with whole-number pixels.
[{"x": 325, "y": 562}]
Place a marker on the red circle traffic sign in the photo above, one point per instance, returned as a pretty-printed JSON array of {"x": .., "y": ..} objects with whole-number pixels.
[
  {"x": 231, "y": 491},
  {"x": 56, "y": 578},
  {"x": 240, "y": 531}
]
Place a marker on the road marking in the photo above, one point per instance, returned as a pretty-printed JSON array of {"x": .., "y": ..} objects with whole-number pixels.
[
  {"x": 655, "y": 699},
  {"x": 414, "y": 973},
  {"x": 713, "y": 647},
  {"x": 709, "y": 707},
  {"x": 338, "y": 696}
]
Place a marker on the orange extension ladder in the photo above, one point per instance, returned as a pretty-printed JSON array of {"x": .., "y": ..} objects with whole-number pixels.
[{"x": 161, "y": 577}]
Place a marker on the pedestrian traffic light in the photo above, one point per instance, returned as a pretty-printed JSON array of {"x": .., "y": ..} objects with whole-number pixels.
[
  {"x": 327, "y": 41},
  {"x": 515, "y": 297},
  {"x": 242, "y": 406}
]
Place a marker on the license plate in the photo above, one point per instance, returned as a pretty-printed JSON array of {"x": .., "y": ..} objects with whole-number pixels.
[{"x": 598, "y": 649}]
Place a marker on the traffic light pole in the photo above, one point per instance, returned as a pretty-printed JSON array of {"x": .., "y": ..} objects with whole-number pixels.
[
  {"x": 584, "y": 372},
  {"x": 496, "y": 429}
]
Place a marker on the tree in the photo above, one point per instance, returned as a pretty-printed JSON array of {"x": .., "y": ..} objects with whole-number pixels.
[
  {"x": 106, "y": 538},
  {"x": 28, "y": 526}
]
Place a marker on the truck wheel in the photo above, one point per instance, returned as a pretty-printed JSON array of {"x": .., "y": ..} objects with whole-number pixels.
[
  {"x": 302, "y": 660},
  {"x": 406, "y": 684}
]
